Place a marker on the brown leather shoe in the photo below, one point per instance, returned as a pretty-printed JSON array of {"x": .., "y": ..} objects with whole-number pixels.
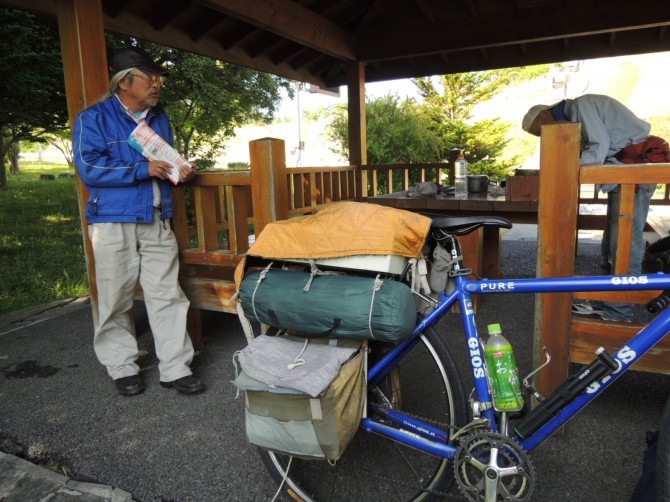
[
  {"x": 129, "y": 386},
  {"x": 186, "y": 385}
]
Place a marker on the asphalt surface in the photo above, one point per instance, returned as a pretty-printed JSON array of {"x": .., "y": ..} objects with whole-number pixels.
[{"x": 60, "y": 409}]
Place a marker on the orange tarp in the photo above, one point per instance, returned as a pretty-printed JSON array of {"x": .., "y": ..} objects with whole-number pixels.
[{"x": 343, "y": 229}]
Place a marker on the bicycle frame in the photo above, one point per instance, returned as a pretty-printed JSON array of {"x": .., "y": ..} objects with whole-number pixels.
[{"x": 427, "y": 438}]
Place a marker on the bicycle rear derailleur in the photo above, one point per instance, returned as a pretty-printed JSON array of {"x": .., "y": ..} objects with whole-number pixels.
[{"x": 490, "y": 467}]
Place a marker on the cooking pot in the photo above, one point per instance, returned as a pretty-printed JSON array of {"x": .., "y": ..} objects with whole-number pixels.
[{"x": 478, "y": 183}]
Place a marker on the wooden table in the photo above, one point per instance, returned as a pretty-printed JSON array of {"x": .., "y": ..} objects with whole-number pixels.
[
  {"x": 481, "y": 250},
  {"x": 517, "y": 211}
]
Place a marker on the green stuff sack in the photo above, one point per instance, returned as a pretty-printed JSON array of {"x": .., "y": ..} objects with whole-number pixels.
[
  {"x": 341, "y": 306},
  {"x": 287, "y": 421}
]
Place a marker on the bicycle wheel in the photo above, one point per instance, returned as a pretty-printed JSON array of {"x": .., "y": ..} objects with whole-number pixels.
[
  {"x": 426, "y": 384},
  {"x": 662, "y": 474}
]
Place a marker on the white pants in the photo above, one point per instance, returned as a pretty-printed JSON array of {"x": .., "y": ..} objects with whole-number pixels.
[{"x": 125, "y": 253}]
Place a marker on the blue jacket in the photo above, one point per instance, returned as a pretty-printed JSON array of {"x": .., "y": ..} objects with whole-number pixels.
[{"x": 115, "y": 174}]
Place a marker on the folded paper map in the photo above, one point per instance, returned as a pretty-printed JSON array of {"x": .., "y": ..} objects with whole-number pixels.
[{"x": 145, "y": 140}]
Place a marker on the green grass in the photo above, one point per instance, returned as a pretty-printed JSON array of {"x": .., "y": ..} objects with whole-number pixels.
[{"x": 41, "y": 247}]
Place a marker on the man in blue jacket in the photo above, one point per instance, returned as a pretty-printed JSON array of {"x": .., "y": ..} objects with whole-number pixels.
[
  {"x": 128, "y": 215},
  {"x": 607, "y": 127}
]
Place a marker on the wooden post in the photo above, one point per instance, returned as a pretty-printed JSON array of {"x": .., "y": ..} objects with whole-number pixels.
[
  {"x": 180, "y": 218},
  {"x": 624, "y": 229},
  {"x": 204, "y": 198},
  {"x": 557, "y": 226},
  {"x": 269, "y": 189},
  {"x": 358, "y": 155},
  {"x": 82, "y": 36},
  {"x": 492, "y": 243},
  {"x": 471, "y": 247},
  {"x": 237, "y": 199}
]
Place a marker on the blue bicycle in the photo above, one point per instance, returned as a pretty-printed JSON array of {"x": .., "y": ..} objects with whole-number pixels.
[{"x": 422, "y": 433}]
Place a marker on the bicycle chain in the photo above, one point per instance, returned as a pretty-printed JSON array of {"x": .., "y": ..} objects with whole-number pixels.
[{"x": 441, "y": 425}]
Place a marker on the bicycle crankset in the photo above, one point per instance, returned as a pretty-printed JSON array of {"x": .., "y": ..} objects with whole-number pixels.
[{"x": 490, "y": 467}]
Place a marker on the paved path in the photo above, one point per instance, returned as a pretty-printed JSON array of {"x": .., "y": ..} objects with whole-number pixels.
[{"x": 60, "y": 409}]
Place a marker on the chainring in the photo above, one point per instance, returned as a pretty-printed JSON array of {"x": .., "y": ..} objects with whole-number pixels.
[{"x": 490, "y": 467}]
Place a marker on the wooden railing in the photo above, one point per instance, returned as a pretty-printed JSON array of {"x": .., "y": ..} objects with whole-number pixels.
[
  {"x": 442, "y": 173},
  {"x": 214, "y": 212},
  {"x": 211, "y": 218},
  {"x": 311, "y": 188},
  {"x": 572, "y": 339},
  {"x": 589, "y": 195},
  {"x": 394, "y": 171}
]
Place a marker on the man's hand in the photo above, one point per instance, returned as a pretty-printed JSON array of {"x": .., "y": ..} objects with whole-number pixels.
[
  {"x": 186, "y": 173},
  {"x": 159, "y": 169}
]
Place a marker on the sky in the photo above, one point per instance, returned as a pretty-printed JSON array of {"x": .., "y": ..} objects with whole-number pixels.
[{"x": 640, "y": 82}]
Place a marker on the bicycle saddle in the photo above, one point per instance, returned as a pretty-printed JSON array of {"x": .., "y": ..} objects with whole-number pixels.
[{"x": 462, "y": 225}]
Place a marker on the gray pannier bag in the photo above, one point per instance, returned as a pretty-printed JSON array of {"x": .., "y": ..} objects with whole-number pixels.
[{"x": 303, "y": 397}]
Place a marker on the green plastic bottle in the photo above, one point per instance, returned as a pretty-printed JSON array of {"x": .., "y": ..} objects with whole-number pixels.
[{"x": 503, "y": 372}]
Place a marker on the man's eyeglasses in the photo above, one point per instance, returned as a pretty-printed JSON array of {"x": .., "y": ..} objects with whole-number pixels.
[{"x": 152, "y": 79}]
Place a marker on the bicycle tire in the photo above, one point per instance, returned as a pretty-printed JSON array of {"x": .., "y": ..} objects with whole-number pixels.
[
  {"x": 374, "y": 467},
  {"x": 662, "y": 474}
]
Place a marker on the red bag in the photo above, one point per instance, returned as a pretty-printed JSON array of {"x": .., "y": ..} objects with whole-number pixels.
[{"x": 652, "y": 151}]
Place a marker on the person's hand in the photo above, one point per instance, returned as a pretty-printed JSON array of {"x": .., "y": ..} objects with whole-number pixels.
[
  {"x": 186, "y": 173},
  {"x": 159, "y": 169}
]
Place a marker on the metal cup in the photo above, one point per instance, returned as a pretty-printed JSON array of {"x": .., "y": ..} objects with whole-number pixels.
[{"x": 478, "y": 183}]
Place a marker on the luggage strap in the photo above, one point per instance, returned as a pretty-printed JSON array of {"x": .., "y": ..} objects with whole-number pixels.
[
  {"x": 376, "y": 287},
  {"x": 314, "y": 271},
  {"x": 419, "y": 279},
  {"x": 275, "y": 322},
  {"x": 262, "y": 275}
]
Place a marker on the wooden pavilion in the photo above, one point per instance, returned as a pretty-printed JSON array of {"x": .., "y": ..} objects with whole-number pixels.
[{"x": 331, "y": 43}]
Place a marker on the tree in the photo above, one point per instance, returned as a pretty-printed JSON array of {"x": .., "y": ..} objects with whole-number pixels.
[
  {"x": 207, "y": 99},
  {"x": 32, "y": 86},
  {"x": 62, "y": 141},
  {"x": 450, "y": 100},
  {"x": 398, "y": 132},
  {"x": 459, "y": 92}
]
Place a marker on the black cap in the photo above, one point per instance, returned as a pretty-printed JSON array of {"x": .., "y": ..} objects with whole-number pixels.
[{"x": 134, "y": 57}]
